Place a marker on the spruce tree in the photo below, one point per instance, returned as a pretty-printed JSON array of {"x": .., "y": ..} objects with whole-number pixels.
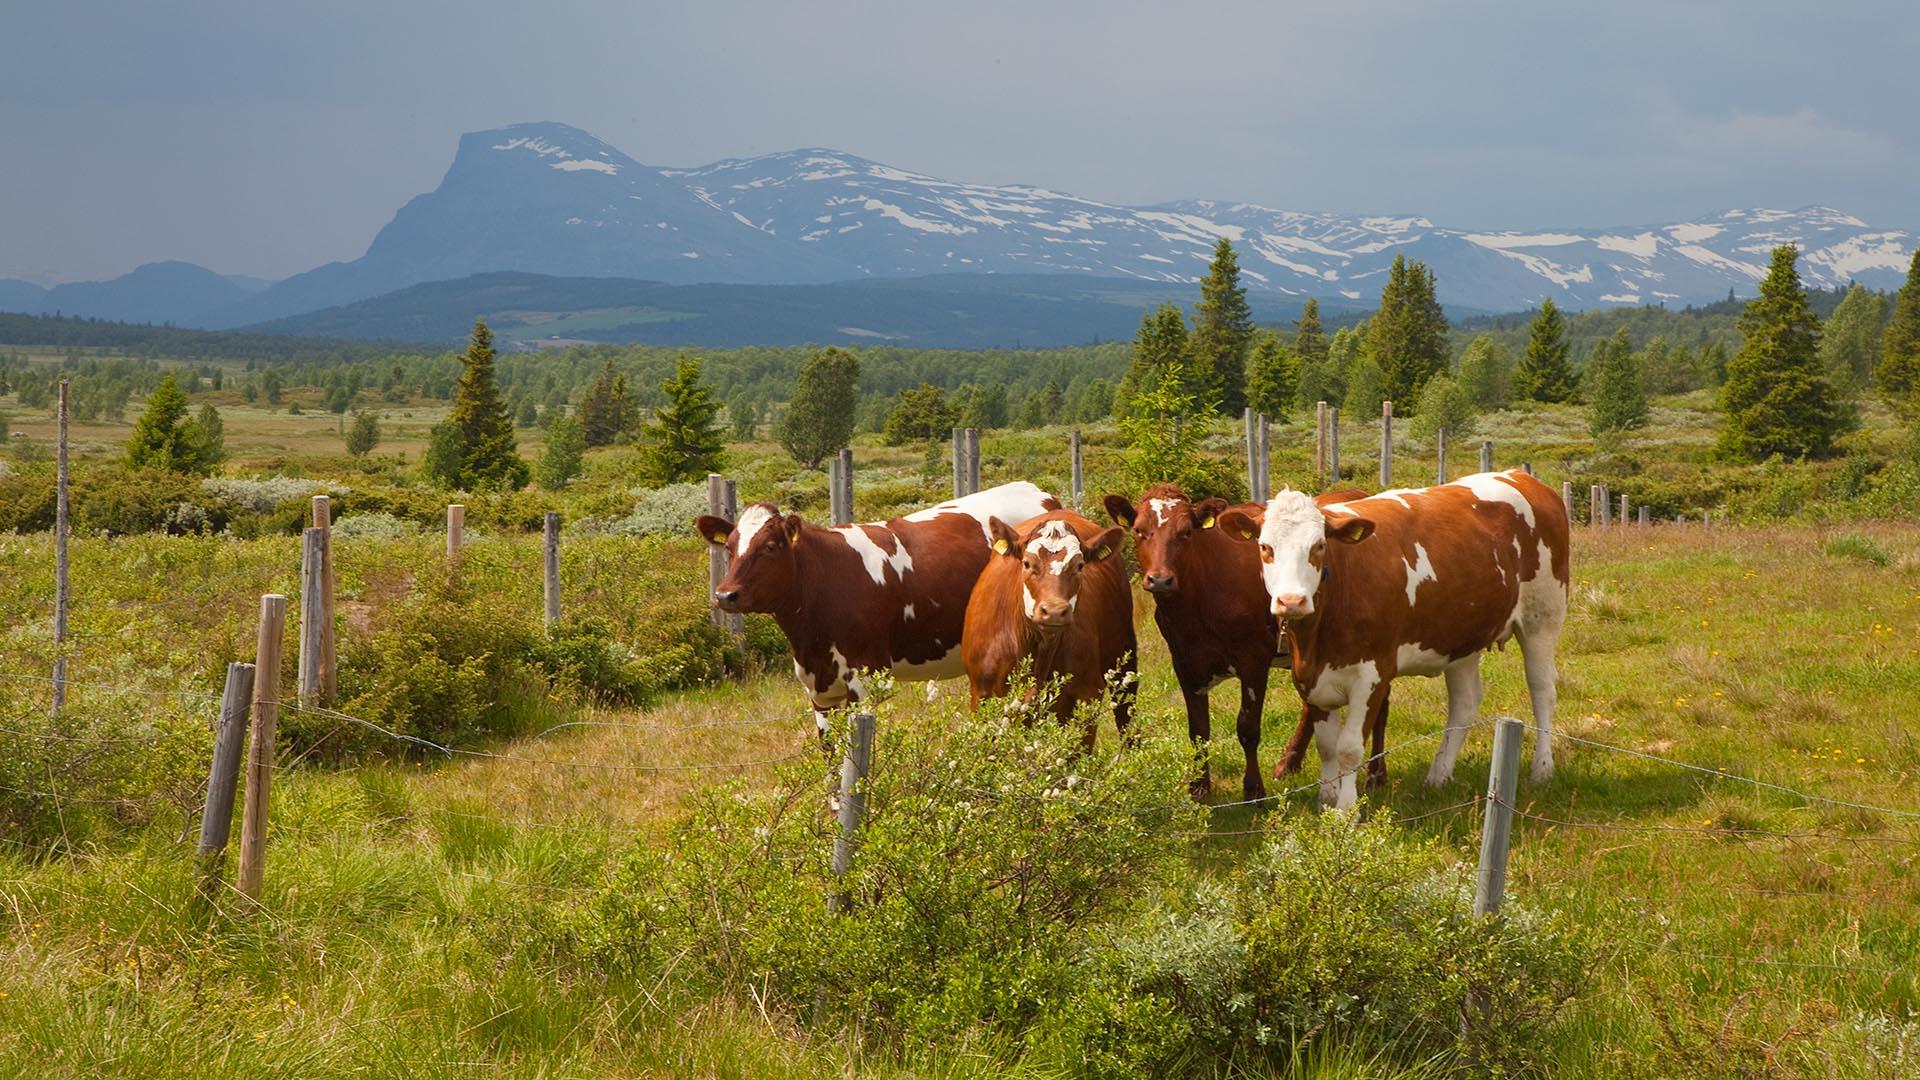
[
  {"x": 606, "y": 412},
  {"x": 1776, "y": 399},
  {"x": 1486, "y": 373},
  {"x": 1160, "y": 344},
  {"x": 684, "y": 441},
  {"x": 566, "y": 450},
  {"x": 920, "y": 414},
  {"x": 166, "y": 438},
  {"x": 1408, "y": 334},
  {"x": 1273, "y": 376},
  {"x": 1223, "y": 328},
  {"x": 1850, "y": 341},
  {"x": 1616, "y": 391},
  {"x": 1309, "y": 341},
  {"x": 213, "y": 437},
  {"x": 1898, "y": 374},
  {"x": 819, "y": 420},
  {"x": 1544, "y": 373},
  {"x": 364, "y": 434},
  {"x": 474, "y": 447}
]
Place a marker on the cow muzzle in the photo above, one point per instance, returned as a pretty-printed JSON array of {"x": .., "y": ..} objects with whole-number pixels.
[
  {"x": 727, "y": 600},
  {"x": 1052, "y": 614},
  {"x": 1162, "y": 584},
  {"x": 1292, "y": 606}
]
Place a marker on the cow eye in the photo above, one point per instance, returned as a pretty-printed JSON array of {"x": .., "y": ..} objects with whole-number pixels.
[{"x": 1266, "y": 553}]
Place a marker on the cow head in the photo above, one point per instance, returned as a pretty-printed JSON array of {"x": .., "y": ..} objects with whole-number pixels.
[
  {"x": 1051, "y": 560},
  {"x": 1293, "y": 533},
  {"x": 1162, "y": 525},
  {"x": 761, "y": 572}
]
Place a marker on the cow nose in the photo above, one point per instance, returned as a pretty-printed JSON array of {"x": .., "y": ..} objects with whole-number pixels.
[
  {"x": 726, "y": 599},
  {"x": 1050, "y": 612},
  {"x": 1292, "y": 606},
  {"x": 1160, "y": 583}
]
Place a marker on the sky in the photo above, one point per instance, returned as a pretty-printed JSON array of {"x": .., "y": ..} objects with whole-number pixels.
[{"x": 265, "y": 137}]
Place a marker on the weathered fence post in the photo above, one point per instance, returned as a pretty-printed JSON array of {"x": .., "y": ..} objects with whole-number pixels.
[
  {"x": 1486, "y": 455},
  {"x": 1079, "y": 471},
  {"x": 1645, "y": 518},
  {"x": 456, "y": 529},
  {"x": 736, "y": 623},
  {"x": 853, "y": 803},
  {"x": 550, "y": 567},
  {"x": 266, "y": 715},
  {"x": 62, "y": 524},
  {"x": 216, "y": 820},
  {"x": 716, "y": 554},
  {"x": 1566, "y": 497},
  {"x": 1624, "y": 521},
  {"x": 1320, "y": 445},
  {"x": 1490, "y": 885},
  {"x": 1593, "y": 504},
  {"x": 1386, "y": 445},
  {"x": 1266, "y": 458},
  {"x": 1440, "y": 457},
  {"x": 833, "y": 491},
  {"x": 329, "y": 654},
  {"x": 959, "y": 462},
  {"x": 1333, "y": 445},
  {"x": 312, "y": 610},
  {"x": 846, "y": 485},
  {"x": 973, "y": 460},
  {"x": 1606, "y": 505}
]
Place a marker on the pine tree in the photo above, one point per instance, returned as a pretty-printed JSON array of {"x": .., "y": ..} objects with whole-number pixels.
[
  {"x": 364, "y": 434},
  {"x": 1898, "y": 375},
  {"x": 213, "y": 436},
  {"x": 566, "y": 451},
  {"x": 1273, "y": 376},
  {"x": 1408, "y": 334},
  {"x": 474, "y": 447},
  {"x": 1667, "y": 369},
  {"x": 1486, "y": 373},
  {"x": 606, "y": 412},
  {"x": 1776, "y": 399},
  {"x": 1309, "y": 341},
  {"x": 1544, "y": 373},
  {"x": 1850, "y": 341},
  {"x": 1042, "y": 407},
  {"x": 166, "y": 438},
  {"x": 1712, "y": 364},
  {"x": 684, "y": 441},
  {"x": 1160, "y": 344},
  {"x": 819, "y": 420},
  {"x": 1223, "y": 328},
  {"x": 1617, "y": 392}
]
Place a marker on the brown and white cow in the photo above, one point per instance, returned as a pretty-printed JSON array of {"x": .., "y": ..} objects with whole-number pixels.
[
  {"x": 859, "y": 598},
  {"x": 1055, "y": 593},
  {"x": 1414, "y": 582},
  {"x": 1208, "y": 605}
]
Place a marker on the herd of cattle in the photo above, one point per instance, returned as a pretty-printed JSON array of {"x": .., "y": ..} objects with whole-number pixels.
[{"x": 1349, "y": 590}]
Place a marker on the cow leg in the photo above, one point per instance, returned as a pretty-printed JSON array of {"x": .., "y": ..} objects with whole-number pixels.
[
  {"x": 1349, "y": 742},
  {"x": 1296, "y": 750},
  {"x": 1538, "y": 650},
  {"x": 1463, "y": 707},
  {"x": 1326, "y": 736},
  {"x": 1377, "y": 761},
  {"x": 1253, "y": 697},
  {"x": 1123, "y": 697},
  {"x": 1200, "y": 732}
]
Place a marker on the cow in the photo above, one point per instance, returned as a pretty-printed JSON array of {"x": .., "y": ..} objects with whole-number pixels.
[
  {"x": 886, "y": 596},
  {"x": 1056, "y": 594},
  {"x": 1413, "y": 582},
  {"x": 1209, "y": 608}
]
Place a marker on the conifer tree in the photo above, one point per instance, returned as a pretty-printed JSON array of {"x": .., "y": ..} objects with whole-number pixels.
[
  {"x": 920, "y": 413},
  {"x": 566, "y": 450},
  {"x": 165, "y": 437},
  {"x": 1042, "y": 407},
  {"x": 1544, "y": 373},
  {"x": 1407, "y": 336},
  {"x": 1616, "y": 391},
  {"x": 1161, "y": 343},
  {"x": 1850, "y": 340},
  {"x": 1273, "y": 376},
  {"x": 1223, "y": 328},
  {"x": 1776, "y": 399},
  {"x": 1486, "y": 373},
  {"x": 1898, "y": 373},
  {"x": 819, "y": 420},
  {"x": 684, "y": 441},
  {"x": 213, "y": 436},
  {"x": 1309, "y": 341},
  {"x": 474, "y": 447},
  {"x": 364, "y": 433},
  {"x": 606, "y": 412}
]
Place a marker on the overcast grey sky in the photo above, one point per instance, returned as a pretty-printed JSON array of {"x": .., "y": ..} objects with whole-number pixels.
[{"x": 265, "y": 137}]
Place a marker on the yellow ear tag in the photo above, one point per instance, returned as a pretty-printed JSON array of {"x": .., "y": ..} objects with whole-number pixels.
[
  {"x": 999, "y": 547},
  {"x": 1208, "y": 523},
  {"x": 1245, "y": 534},
  {"x": 1096, "y": 554}
]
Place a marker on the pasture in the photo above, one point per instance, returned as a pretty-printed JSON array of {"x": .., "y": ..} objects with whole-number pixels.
[{"x": 423, "y": 912}]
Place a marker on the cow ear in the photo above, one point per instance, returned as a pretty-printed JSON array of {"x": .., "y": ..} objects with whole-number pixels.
[
  {"x": 793, "y": 523},
  {"x": 1105, "y": 547},
  {"x": 1207, "y": 512},
  {"x": 1005, "y": 540},
  {"x": 1240, "y": 522},
  {"x": 1119, "y": 509},
  {"x": 1351, "y": 531},
  {"x": 715, "y": 529}
]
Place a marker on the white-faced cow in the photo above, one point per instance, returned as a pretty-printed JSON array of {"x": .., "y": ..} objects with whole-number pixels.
[
  {"x": 1056, "y": 594},
  {"x": 1416, "y": 582},
  {"x": 860, "y": 598},
  {"x": 1209, "y": 606}
]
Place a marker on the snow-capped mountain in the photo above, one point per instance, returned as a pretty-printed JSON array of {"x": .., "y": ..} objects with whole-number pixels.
[{"x": 552, "y": 199}]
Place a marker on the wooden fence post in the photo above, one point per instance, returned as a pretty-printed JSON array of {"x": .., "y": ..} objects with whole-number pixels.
[
  {"x": 846, "y": 484},
  {"x": 1606, "y": 505},
  {"x": 266, "y": 715},
  {"x": 833, "y": 491},
  {"x": 1623, "y": 510},
  {"x": 735, "y": 622},
  {"x": 1251, "y": 438},
  {"x": 959, "y": 462},
  {"x": 1486, "y": 455},
  {"x": 456, "y": 530},
  {"x": 1496, "y": 834},
  {"x": 1333, "y": 446},
  {"x": 1440, "y": 457},
  {"x": 973, "y": 460},
  {"x": 716, "y": 555},
  {"x": 853, "y": 803},
  {"x": 329, "y": 653},
  {"x": 1266, "y": 458},
  {"x": 1386, "y": 445},
  {"x": 62, "y": 524},
  {"x": 1320, "y": 445},
  {"x": 1566, "y": 497},
  {"x": 216, "y": 820},
  {"x": 550, "y": 566},
  {"x": 1593, "y": 504},
  {"x": 1645, "y": 517},
  {"x": 312, "y": 611},
  {"x": 1079, "y": 471}
]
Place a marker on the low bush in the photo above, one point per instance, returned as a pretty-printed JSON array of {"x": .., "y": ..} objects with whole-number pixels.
[{"x": 98, "y": 767}]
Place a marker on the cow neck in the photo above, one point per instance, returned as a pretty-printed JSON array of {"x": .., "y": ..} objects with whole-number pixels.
[
  {"x": 809, "y": 545},
  {"x": 1051, "y": 652}
]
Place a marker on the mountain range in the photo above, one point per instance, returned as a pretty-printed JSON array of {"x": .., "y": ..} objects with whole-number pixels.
[{"x": 553, "y": 201}]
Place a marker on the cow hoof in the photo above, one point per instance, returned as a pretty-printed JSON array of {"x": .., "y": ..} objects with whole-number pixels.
[
  {"x": 1436, "y": 777},
  {"x": 1377, "y": 776},
  {"x": 1252, "y": 789},
  {"x": 1200, "y": 788}
]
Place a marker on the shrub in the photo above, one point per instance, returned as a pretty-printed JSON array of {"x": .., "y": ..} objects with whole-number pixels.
[
  {"x": 666, "y": 511},
  {"x": 583, "y": 657},
  {"x": 373, "y": 526},
  {"x": 27, "y": 499},
  {"x": 124, "y": 502},
  {"x": 262, "y": 494},
  {"x": 98, "y": 765}
]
